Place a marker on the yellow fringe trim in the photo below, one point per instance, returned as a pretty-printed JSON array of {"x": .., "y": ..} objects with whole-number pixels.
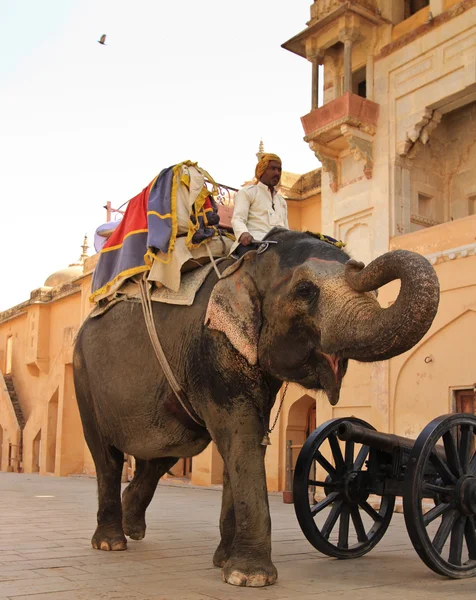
[
  {"x": 155, "y": 213},
  {"x": 126, "y": 236},
  {"x": 123, "y": 274}
]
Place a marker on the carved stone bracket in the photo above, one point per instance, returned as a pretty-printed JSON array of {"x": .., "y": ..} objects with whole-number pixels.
[
  {"x": 419, "y": 134},
  {"x": 361, "y": 147},
  {"x": 329, "y": 164}
]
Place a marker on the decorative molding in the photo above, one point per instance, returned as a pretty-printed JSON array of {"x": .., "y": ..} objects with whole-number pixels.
[
  {"x": 329, "y": 164},
  {"x": 452, "y": 254},
  {"x": 421, "y": 220},
  {"x": 361, "y": 147},
  {"x": 419, "y": 134},
  {"x": 323, "y": 8},
  {"x": 349, "y": 222}
]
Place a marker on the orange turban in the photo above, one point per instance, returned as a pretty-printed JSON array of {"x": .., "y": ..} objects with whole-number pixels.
[{"x": 263, "y": 164}]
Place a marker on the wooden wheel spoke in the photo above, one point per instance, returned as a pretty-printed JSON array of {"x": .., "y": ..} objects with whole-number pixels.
[
  {"x": 465, "y": 446},
  {"x": 444, "y": 530},
  {"x": 370, "y": 511},
  {"x": 456, "y": 543},
  {"x": 442, "y": 469},
  {"x": 343, "y": 541},
  {"x": 359, "y": 526},
  {"x": 325, "y": 464},
  {"x": 435, "y": 512},
  {"x": 331, "y": 519},
  {"x": 349, "y": 454},
  {"x": 472, "y": 465},
  {"x": 452, "y": 455},
  {"x": 327, "y": 484},
  {"x": 470, "y": 536},
  {"x": 336, "y": 452},
  {"x": 324, "y": 503},
  {"x": 431, "y": 489},
  {"x": 361, "y": 458}
]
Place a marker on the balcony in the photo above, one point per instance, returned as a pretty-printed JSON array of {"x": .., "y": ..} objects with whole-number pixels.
[{"x": 347, "y": 123}]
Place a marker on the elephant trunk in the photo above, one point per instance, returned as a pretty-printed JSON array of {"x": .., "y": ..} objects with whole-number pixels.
[{"x": 382, "y": 333}]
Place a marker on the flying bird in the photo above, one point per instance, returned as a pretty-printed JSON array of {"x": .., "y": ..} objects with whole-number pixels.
[{"x": 102, "y": 39}]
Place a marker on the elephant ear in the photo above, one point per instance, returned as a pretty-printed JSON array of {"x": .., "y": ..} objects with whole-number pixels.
[{"x": 235, "y": 309}]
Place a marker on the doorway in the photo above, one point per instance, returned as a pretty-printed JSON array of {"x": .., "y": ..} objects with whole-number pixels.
[{"x": 465, "y": 401}]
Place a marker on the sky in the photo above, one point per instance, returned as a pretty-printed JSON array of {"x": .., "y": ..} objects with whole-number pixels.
[{"x": 82, "y": 124}]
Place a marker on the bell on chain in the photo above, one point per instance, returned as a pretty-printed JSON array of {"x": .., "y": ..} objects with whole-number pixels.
[{"x": 266, "y": 441}]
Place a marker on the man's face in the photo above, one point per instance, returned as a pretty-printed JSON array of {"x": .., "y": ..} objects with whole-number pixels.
[{"x": 272, "y": 175}]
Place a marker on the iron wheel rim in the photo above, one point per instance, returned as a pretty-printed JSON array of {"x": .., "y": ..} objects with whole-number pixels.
[
  {"x": 455, "y": 466},
  {"x": 343, "y": 512}
]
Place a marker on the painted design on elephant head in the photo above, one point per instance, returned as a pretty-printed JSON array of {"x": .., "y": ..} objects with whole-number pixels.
[{"x": 234, "y": 309}]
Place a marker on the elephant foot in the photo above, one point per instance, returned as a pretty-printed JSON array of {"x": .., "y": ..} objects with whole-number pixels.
[
  {"x": 134, "y": 527},
  {"x": 109, "y": 538},
  {"x": 249, "y": 572},
  {"x": 222, "y": 554}
]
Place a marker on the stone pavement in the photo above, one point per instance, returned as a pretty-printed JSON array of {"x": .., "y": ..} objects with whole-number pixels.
[{"x": 45, "y": 553}]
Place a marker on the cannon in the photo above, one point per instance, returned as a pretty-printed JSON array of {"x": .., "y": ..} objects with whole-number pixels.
[{"x": 348, "y": 475}]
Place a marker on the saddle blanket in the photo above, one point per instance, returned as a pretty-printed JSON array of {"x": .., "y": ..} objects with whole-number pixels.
[{"x": 190, "y": 283}]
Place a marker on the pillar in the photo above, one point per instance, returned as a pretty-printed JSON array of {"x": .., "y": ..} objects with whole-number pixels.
[
  {"x": 369, "y": 76},
  {"x": 316, "y": 58},
  {"x": 315, "y": 83},
  {"x": 347, "y": 64}
]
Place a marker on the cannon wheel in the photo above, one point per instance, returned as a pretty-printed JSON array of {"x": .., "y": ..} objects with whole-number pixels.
[
  {"x": 442, "y": 466},
  {"x": 345, "y": 501}
]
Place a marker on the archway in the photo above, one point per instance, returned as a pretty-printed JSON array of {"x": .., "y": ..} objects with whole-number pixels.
[
  {"x": 301, "y": 422},
  {"x": 51, "y": 433},
  {"x": 36, "y": 453}
]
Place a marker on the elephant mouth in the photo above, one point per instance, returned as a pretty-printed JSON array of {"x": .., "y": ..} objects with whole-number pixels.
[{"x": 330, "y": 377}]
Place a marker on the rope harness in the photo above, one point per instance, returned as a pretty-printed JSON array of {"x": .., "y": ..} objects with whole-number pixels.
[{"x": 159, "y": 352}]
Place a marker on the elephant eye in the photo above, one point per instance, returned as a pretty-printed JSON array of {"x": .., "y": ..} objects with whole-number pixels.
[{"x": 306, "y": 290}]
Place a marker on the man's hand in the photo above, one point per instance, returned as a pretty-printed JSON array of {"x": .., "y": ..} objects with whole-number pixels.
[{"x": 245, "y": 239}]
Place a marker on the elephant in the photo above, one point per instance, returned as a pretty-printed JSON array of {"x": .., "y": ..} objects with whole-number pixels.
[{"x": 296, "y": 312}]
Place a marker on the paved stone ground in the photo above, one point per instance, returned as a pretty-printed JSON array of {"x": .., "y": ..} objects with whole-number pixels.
[{"x": 45, "y": 554}]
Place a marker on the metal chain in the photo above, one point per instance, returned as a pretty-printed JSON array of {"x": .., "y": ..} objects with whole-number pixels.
[{"x": 280, "y": 407}]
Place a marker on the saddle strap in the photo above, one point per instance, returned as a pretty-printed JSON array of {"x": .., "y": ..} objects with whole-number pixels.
[{"x": 159, "y": 352}]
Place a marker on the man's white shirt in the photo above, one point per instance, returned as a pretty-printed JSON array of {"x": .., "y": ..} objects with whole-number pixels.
[{"x": 253, "y": 211}]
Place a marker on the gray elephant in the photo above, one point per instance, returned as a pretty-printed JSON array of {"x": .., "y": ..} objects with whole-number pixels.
[{"x": 297, "y": 312}]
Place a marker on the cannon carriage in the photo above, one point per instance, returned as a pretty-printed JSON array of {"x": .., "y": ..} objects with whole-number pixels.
[{"x": 348, "y": 475}]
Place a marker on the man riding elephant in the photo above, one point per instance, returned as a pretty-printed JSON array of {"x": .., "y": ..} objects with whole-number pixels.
[
  {"x": 296, "y": 312},
  {"x": 259, "y": 207}
]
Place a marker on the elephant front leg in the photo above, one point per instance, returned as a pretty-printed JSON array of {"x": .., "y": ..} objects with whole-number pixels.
[
  {"x": 227, "y": 523},
  {"x": 249, "y": 563}
]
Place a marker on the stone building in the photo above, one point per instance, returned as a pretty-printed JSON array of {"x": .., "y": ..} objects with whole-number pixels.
[{"x": 396, "y": 137}]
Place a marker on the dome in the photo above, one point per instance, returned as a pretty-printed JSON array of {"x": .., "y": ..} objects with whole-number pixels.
[
  {"x": 64, "y": 275},
  {"x": 69, "y": 273}
]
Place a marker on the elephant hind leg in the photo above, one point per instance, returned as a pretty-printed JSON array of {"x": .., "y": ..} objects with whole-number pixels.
[
  {"x": 108, "y": 461},
  {"x": 109, "y": 534},
  {"x": 139, "y": 493}
]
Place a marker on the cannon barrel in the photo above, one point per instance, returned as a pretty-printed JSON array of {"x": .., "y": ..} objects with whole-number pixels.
[{"x": 375, "y": 439}]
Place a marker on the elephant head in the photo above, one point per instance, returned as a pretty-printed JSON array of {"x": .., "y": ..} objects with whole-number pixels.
[{"x": 303, "y": 308}]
